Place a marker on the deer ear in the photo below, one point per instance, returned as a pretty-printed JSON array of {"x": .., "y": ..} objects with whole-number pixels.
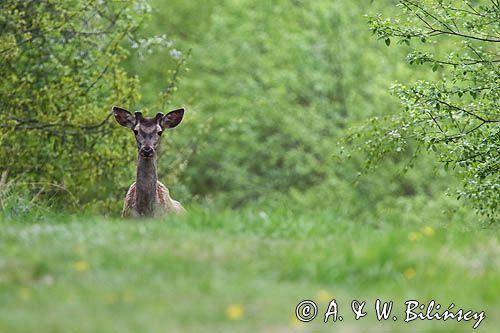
[
  {"x": 123, "y": 117},
  {"x": 172, "y": 119}
]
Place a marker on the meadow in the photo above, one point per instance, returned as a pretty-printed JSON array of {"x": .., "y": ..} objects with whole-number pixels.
[{"x": 239, "y": 271}]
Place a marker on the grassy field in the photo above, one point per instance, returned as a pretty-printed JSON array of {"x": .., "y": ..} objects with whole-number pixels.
[{"x": 239, "y": 272}]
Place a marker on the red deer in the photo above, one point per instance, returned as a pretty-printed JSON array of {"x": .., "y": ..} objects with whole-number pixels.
[{"x": 147, "y": 196}]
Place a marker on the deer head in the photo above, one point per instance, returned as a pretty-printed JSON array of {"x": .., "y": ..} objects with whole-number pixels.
[{"x": 147, "y": 131}]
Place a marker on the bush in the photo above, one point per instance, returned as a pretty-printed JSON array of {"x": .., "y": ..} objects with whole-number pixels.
[{"x": 457, "y": 114}]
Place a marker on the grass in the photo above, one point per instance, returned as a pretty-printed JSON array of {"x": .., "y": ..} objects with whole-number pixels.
[{"x": 238, "y": 271}]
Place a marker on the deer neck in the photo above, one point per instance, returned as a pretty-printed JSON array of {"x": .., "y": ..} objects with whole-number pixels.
[{"x": 145, "y": 185}]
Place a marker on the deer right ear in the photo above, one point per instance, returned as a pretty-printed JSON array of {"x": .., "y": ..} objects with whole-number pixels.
[
  {"x": 123, "y": 117},
  {"x": 171, "y": 119}
]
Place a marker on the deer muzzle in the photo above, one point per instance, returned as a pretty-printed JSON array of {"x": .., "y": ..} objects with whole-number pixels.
[{"x": 147, "y": 152}]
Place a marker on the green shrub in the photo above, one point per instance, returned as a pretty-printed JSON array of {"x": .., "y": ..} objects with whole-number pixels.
[{"x": 457, "y": 114}]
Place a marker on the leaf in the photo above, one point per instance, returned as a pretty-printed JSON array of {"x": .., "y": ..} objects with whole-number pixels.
[{"x": 387, "y": 41}]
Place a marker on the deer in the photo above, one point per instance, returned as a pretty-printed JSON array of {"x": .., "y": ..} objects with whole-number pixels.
[{"x": 147, "y": 196}]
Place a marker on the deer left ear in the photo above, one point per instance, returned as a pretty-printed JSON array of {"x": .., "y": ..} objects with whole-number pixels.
[
  {"x": 123, "y": 117},
  {"x": 172, "y": 119}
]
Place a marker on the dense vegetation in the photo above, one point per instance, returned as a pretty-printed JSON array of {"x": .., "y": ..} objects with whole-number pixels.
[
  {"x": 61, "y": 73},
  {"x": 272, "y": 90},
  {"x": 457, "y": 115}
]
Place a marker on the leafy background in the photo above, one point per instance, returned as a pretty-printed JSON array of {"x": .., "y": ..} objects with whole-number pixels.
[{"x": 271, "y": 89}]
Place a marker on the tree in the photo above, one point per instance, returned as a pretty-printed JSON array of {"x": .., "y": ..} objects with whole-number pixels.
[
  {"x": 456, "y": 114},
  {"x": 60, "y": 74}
]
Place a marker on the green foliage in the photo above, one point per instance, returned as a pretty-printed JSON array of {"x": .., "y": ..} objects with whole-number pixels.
[
  {"x": 457, "y": 115},
  {"x": 270, "y": 89},
  {"x": 61, "y": 73}
]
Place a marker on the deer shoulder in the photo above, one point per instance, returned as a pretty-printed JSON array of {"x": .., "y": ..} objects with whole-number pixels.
[{"x": 164, "y": 201}]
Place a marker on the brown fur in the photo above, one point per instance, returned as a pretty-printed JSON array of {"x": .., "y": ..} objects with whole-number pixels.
[{"x": 163, "y": 201}]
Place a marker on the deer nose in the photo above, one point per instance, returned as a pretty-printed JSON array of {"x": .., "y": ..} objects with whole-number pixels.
[{"x": 147, "y": 151}]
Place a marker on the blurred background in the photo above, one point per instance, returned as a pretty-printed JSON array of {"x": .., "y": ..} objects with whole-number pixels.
[{"x": 271, "y": 88}]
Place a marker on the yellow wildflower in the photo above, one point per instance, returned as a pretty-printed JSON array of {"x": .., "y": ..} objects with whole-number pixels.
[
  {"x": 415, "y": 236},
  {"x": 410, "y": 273},
  {"x": 324, "y": 296},
  {"x": 24, "y": 293},
  {"x": 81, "y": 266},
  {"x": 294, "y": 322},
  {"x": 128, "y": 296},
  {"x": 234, "y": 312},
  {"x": 428, "y": 231},
  {"x": 111, "y": 298}
]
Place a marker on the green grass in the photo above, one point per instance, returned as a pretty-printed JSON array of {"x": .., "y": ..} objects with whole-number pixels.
[{"x": 97, "y": 274}]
